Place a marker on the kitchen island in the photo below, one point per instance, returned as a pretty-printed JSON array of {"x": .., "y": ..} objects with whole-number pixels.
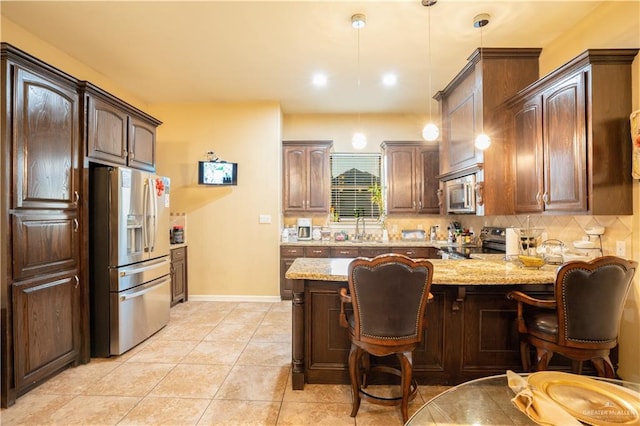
[{"x": 471, "y": 330}]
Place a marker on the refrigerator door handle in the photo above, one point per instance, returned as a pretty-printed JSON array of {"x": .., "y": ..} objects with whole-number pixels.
[
  {"x": 148, "y": 267},
  {"x": 145, "y": 290},
  {"x": 153, "y": 203}
]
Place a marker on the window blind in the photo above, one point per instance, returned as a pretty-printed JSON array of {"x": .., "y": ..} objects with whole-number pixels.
[{"x": 352, "y": 176}]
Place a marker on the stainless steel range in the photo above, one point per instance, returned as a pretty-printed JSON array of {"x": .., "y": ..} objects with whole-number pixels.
[{"x": 493, "y": 241}]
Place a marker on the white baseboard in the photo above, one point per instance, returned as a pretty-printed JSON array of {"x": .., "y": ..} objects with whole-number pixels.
[{"x": 233, "y": 298}]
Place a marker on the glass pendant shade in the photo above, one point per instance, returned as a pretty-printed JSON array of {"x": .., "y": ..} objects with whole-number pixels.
[
  {"x": 430, "y": 132},
  {"x": 483, "y": 141},
  {"x": 359, "y": 140}
]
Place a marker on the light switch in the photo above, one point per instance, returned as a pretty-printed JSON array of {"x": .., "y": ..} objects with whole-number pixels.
[{"x": 265, "y": 218}]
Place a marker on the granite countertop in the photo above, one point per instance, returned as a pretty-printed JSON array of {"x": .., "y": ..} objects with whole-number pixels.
[
  {"x": 468, "y": 271},
  {"x": 374, "y": 243}
]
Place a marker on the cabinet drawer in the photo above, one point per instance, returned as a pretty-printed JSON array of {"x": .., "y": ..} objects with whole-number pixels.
[
  {"x": 416, "y": 252},
  {"x": 178, "y": 254},
  {"x": 316, "y": 251},
  {"x": 292, "y": 251},
  {"x": 374, "y": 251},
  {"x": 345, "y": 252}
]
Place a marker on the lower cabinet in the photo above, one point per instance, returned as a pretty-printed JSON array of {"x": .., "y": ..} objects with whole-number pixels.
[
  {"x": 179, "y": 292},
  {"x": 471, "y": 332},
  {"x": 46, "y": 327}
]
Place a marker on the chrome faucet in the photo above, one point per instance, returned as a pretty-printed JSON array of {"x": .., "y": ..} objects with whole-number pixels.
[
  {"x": 359, "y": 214},
  {"x": 359, "y": 235}
]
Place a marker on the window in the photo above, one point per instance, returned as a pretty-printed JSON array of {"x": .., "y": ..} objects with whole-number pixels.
[{"x": 352, "y": 176}]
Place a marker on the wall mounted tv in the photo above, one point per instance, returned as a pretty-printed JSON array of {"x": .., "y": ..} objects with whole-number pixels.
[{"x": 217, "y": 173}]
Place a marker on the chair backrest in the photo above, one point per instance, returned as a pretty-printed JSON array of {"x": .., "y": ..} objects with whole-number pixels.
[
  {"x": 590, "y": 298},
  {"x": 389, "y": 295}
]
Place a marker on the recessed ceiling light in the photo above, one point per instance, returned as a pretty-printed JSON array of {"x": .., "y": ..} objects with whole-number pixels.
[
  {"x": 319, "y": 80},
  {"x": 389, "y": 79}
]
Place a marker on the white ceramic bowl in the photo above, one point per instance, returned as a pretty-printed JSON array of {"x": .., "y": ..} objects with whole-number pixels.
[
  {"x": 584, "y": 244},
  {"x": 595, "y": 230}
]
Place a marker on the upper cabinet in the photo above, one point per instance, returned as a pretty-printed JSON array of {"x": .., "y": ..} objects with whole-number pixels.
[
  {"x": 306, "y": 176},
  {"x": 116, "y": 132},
  {"x": 570, "y": 131},
  {"x": 412, "y": 183},
  {"x": 471, "y": 104}
]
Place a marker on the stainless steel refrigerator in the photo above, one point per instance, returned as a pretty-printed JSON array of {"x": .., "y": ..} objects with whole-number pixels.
[{"x": 129, "y": 259}]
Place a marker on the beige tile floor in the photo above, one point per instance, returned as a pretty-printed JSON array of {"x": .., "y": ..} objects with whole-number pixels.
[{"x": 215, "y": 363}]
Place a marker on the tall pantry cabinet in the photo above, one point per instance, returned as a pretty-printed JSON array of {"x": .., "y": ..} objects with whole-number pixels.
[{"x": 42, "y": 285}]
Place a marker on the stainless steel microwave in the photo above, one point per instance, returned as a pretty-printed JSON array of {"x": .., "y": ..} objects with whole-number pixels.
[{"x": 461, "y": 195}]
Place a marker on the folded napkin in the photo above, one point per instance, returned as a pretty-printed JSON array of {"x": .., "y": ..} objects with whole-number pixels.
[{"x": 537, "y": 405}]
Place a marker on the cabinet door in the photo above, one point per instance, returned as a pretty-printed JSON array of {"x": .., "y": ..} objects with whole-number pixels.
[
  {"x": 43, "y": 243},
  {"x": 527, "y": 122},
  {"x": 46, "y": 326},
  {"x": 401, "y": 179},
  {"x": 178, "y": 275},
  {"x": 142, "y": 145},
  {"x": 428, "y": 169},
  {"x": 106, "y": 131},
  {"x": 46, "y": 142},
  {"x": 318, "y": 175},
  {"x": 287, "y": 256},
  {"x": 295, "y": 178},
  {"x": 564, "y": 136}
]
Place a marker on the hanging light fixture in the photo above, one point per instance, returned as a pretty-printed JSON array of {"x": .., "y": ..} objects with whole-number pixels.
[
  {"x": 430, "y": 132},
  {"x": 359, "y": 140},
  {"x": 483, "y": 141}
]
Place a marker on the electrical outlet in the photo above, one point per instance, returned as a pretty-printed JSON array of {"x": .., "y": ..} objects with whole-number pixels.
[{"x": 620, "y": 249}]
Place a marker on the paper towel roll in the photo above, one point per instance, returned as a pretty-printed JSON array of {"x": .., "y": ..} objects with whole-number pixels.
[{"x": 512, "y": 249}]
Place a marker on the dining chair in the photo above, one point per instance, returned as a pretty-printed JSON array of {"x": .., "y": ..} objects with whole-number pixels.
[
  {"x": 582, "y": 321},
  {"x": 383, "y": 310}
]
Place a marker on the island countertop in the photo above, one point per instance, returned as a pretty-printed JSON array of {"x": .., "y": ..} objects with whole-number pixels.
[{"x": 456, "y": 272}]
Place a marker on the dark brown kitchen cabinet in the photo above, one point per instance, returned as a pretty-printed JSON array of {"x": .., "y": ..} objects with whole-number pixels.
[
  {"x": 118, "y": 133},
  {"x": 306, "y": 177},
  {"x": 287, "y": 255},
  {"x": 568, "y": 130},
  {"x": 417, "y": 252},
  {"x": 179, "y": 287},
  {"x": 42, "y": 320},
  {"x": 470, "y": 104},
  {"x": 412, "y": 177}
]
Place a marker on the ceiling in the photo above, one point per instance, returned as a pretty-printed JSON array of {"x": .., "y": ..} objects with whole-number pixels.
[{"x": 237, "y": 51}]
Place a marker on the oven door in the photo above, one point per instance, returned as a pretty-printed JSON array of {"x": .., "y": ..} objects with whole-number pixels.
[{"x": 460, "y": 195}]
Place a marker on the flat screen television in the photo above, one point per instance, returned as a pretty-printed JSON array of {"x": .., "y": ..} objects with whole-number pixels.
[{"x": 217, "y": 173}]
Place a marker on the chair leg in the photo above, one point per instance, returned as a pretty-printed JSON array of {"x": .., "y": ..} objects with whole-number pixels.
[
  {"x": 406, "y": 363},
  {"x": 543, "y": 357},
  {"x": 525, "y": 356},
  {"x": 355, "y": 354},
  {"x": 365, "y": 368},
  {"x": 576, "y": 367},
  {"x": 604, "y": 367}
]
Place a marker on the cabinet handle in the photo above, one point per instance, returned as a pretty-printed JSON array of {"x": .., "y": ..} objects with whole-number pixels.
[
  {"x": 420, "y": 205},
  {"x": 545, "y": 197},
  {"x": 77, "y": 281},
  {"x": 409, "y": 252},
  {"x": 344, "y": 252},
  {"x": 131, "y": 155},
  {"x": 414, "y": 204},
  {"x": 538, "y": 198},
  {"x": 439, "y": 194},
  {"x": 316, "y": 251},
  {"x": 76, "y": 196},
  {"x": 76, "y": 225}
]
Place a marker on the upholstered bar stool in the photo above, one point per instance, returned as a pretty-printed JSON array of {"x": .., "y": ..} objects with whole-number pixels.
[
  {"x": 582, "y": 321},
  {"x": 383, "y": 311}
]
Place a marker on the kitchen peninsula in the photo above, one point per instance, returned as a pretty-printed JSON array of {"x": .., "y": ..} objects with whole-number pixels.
[{"x": 470, "y": 333}]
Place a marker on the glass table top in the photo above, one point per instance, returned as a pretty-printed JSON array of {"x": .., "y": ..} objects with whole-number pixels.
[{"x": 485, "y": 401}]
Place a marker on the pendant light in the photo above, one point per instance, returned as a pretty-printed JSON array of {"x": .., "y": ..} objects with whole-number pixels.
[
  {"x": 483, "y": 141},
  {"x": 359, "y": 140},
  {"x": 430, "y": 132}
]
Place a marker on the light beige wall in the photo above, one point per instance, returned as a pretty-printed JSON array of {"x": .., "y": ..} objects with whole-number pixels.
[
  {"x": 340, "y": 128},
  {"x": 613, "y": 24},
  {"x": 24, "y": 40},
  {"x": 229, "y": 252}
]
